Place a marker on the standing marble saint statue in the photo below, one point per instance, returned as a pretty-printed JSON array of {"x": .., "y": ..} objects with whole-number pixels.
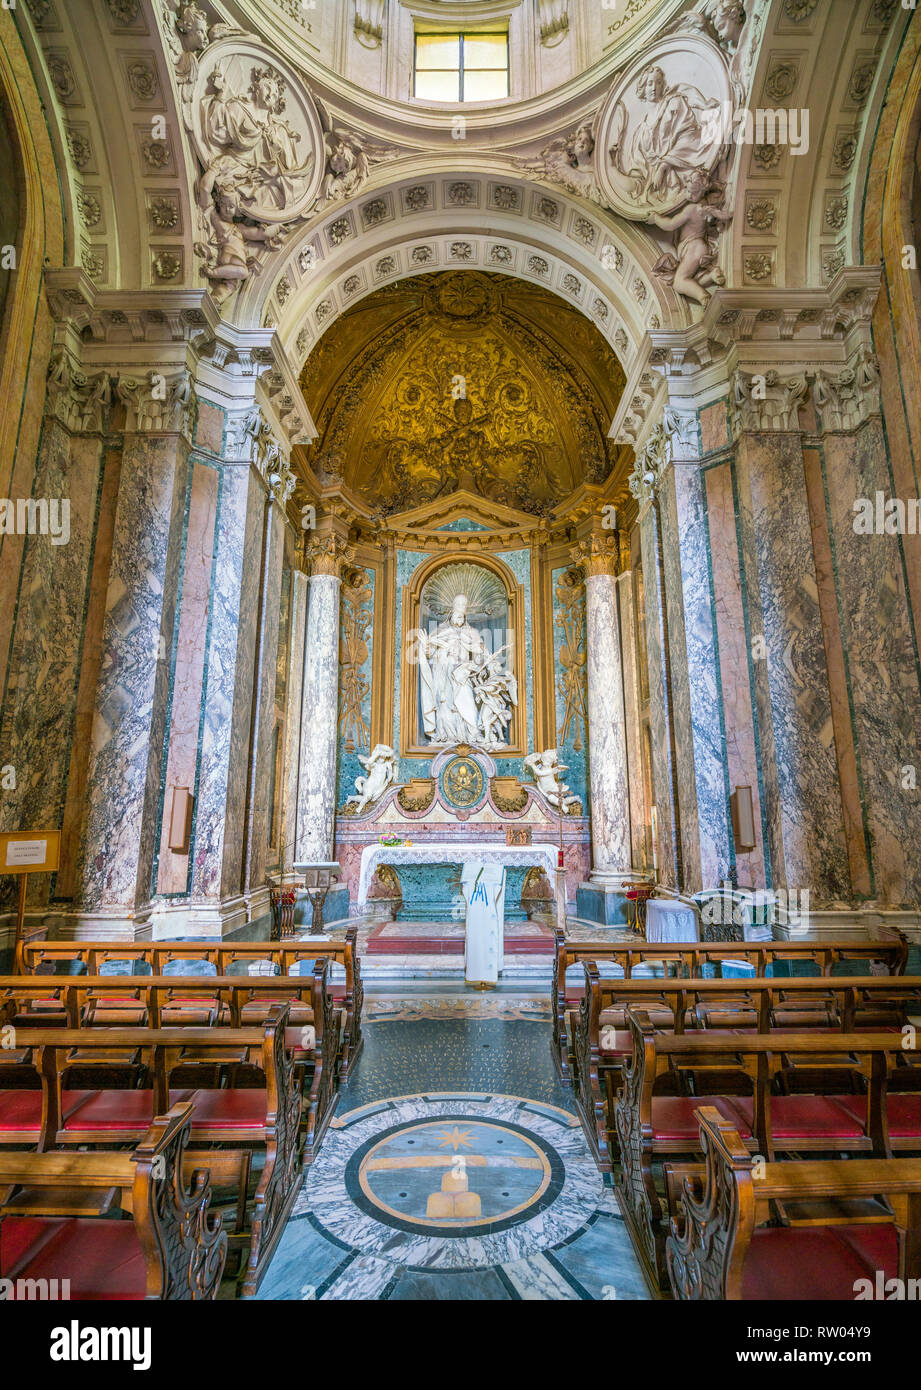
[
  {"x": 466, "y": 695},
  {"x": 483, "y": 887}
]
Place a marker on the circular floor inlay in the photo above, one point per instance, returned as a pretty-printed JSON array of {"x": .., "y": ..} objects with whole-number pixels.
[
  {"x": 453, "y": 1182},
  {"x": 455, "y": 1176}
]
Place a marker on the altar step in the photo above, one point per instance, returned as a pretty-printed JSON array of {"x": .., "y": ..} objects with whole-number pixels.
[
  {"x": 518, "y": 972},
  {"x": 447, "y": 939}
]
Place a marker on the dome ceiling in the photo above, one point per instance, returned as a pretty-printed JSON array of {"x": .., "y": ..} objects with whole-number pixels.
[{"x": 462, "y": 381}]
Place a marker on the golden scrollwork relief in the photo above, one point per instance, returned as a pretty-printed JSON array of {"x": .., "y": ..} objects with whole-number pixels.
[
  {"x": 417, "y": 795},
  {"x": 467, "y": 383},
  {"x": 356, "y": 617},
  {"x": 572, "y": 681}
]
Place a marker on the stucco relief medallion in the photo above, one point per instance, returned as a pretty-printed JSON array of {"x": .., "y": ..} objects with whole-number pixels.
[
  {"x": 658, "y": 134},
  {"x": 255, "y": 129}
]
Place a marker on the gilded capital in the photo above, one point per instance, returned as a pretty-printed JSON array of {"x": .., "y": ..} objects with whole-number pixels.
[
  {"x": 596, "y": 554},
  {"x": 327, "y": 554}
]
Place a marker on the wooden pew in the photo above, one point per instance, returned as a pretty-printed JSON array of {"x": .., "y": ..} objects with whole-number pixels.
[
  {"x": 266, "y": 1119},
  {"x": 168, "y": 1001},
  {"x": 602, "y": 1040},
  {"x": 689, "y": 961},
  {"x": 650, "y": 1126},
  {"x": 721, "y": 1247},
  {"x": 31, "y": 955},
  {"x": 172, "y": 1247}
]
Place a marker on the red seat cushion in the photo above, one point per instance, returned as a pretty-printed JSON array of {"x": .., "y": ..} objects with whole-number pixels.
[
  {"x": 675, "y": 1117},
  {"x": 243, "y": 1109},
  {"x": 20, "y": 1111},
  {"x": 807, "y": 1117},
  {"x": 101, "y": 1259},
  {"x": 904, "y": 1112},
  {"x": 109, "y": 1110},
  {"x": 821, "y": 1262},
  {"x": 337, "y": 991}
]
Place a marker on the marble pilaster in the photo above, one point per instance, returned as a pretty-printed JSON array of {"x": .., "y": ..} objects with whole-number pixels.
[
  {"x": 667, "y": 847},
  {"x": 295, "y": 687},
  {"x": 123, "y": 773},
  {"x": 607, "y": 741},
  {"x": 316, "y": 802},
  {"x": 802, "y": 794},
  {"x": 638, "y": 808},
  {"x": 700, "y": 774}
]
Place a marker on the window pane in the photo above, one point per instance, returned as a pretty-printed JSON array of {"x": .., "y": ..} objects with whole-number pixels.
[
  {"x": 485, "y": 86},
  {"x": 438, "y": 86},
  {"x": 437, "y": 51},
  {"x": 485, "y": 51}
]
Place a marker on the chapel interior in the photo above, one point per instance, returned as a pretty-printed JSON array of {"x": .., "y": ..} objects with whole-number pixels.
[{"x": 460, "y": 692}]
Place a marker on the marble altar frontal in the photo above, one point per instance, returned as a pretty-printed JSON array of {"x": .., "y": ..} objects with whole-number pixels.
[{"x": 483, "y": 887}]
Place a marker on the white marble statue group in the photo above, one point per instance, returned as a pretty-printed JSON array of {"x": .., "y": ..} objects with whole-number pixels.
[{"x": 468, "y": 693}]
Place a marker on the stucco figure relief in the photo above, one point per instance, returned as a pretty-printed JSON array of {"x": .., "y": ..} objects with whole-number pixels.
[
  {"x": 382, "y": 769},
  {"x": 547, "y": 771}
]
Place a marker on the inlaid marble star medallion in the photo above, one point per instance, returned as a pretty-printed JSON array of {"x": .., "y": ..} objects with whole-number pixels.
[{"x": 496, "y": 1187}]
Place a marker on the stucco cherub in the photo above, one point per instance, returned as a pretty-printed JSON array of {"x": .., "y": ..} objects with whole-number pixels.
[
  {"x": 381, "y": 767},
  {"x": 547, "y": 771},
  {"x": 693, "y": 266}
]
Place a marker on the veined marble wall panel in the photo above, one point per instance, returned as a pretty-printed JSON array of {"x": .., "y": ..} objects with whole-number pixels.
[
  {"x": 519, "y": 562},
  {"x": 408, "y": 561},
  {"x": 791, "y": 676},
  {"x": 882, "y": 662},
  {"x": 849, "y": 777},
  {"x": 181, "y": 762},
  {"x": 39, "y": 705},
  {"x": 295, "y": 688},
  {"x": 356, "y": 666},
  {"x": 220, "y": 807},
  {"x": 570, "y": 679},
  {"x": 638, "y": 809},
  {"x": 659, "y": 718},
  {"x": 734, "y": 650},
  {"x": 90, "y": 661},
  {"x": 124, "y": 769},
  {"x": 703, "y": 797},
  {"x": 260, "y": 810}
]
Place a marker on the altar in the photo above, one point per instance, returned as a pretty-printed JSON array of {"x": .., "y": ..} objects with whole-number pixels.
[{"x": 461, "y": 852}]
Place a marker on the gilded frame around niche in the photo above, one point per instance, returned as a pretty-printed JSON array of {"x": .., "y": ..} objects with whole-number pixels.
[{"x": 411, "y": 744}]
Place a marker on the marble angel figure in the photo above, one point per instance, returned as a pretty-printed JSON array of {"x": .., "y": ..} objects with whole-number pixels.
[
  {"x": 381, "y": 767},
  {"x": 547, "y": 771},
  {"x": 496, "y": 692}
]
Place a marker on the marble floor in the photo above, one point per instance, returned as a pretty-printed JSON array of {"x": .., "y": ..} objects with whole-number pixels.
[{"x": 455, "y": 1168}]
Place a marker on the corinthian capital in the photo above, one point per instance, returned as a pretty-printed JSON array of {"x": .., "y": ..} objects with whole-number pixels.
[
  {"x": 159, "y": 404},
  {"x": 597, "y": 554},
  {"x": 79, "y": 402},
  {"x": 847, "y": 398},
  {"x": 327, "y": 554}
]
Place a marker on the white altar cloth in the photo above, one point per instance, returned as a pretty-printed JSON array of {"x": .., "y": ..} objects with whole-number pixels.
[
  {"x": 458, "y": 852},
  {"x": 670, "y": 921}
]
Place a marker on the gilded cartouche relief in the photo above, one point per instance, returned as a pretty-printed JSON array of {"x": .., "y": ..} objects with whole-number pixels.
[
  {"x": 570, "y": 677},
  {"x": 703, "y": 795},
  {"x": 356, "y": 665},
  {"x": 882, "y": 661},
  {"x": 802, "y": 791},
  {"x": 662, "y": 748}
]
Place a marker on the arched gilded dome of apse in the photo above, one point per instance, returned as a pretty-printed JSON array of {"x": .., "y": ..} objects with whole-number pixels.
[{"x": 463, "y": 381}]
